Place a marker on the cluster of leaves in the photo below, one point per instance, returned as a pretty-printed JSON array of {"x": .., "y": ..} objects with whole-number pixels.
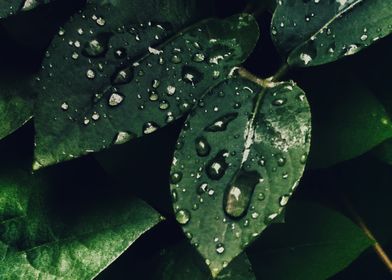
[{"x": 106, "y": 72}]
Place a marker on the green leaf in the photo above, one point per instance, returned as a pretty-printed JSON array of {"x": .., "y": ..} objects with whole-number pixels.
[
  {"x": 314, "y": 244},
  {"x": 116, "y": 82},
  {"x": 318, "y": 32},
  {"x": 34, "y": 243},
  {"x": 16, "y": 104},
  {"x": 10, "y": 7},
  {"x": 241, "y": 155},
  {"x": 181, "y": 261},
  {"x": 348, "y": 121}
]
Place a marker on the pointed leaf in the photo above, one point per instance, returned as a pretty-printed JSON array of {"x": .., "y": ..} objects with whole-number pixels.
[
  {"x": 35, "y": 244},
  {"x": 314, "y": 244},
  {"x": 242, "y": 153},
  {"x": 316, "y": 32},
  {"x": 105, "y": 84}
]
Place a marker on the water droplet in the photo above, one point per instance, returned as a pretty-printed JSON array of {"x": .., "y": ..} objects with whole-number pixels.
[
  {"x": 150, "y": 127},
  {"x": 123, "y": 137},
  {"x": 202, "y": 188},
  {"x": 115, "y": 99},
  {"x": 279, "y": 101},
  {"x": 174, "y": 195},
  {"x": 176, "y": 59},
  {"x": 123, "y": 76},
  {"x": 170, "y": 90},
  {"x": 281, "y": 161},
  {"x": 198, "y": 57},
  {"x": 221, "y": 123},
  {"x": 220, "y": 248},
  {"x": 191, "y": 75},
  {"x": 64, "y": 106},
  {"x": 217, "y": 166},
  {"x": 239, "y": 193},
  {"x": 90, "y": 74},
  {"x": 96, "y": 47},
  {"x": 183, "y": 216},
  {"x": 203, "y": 148},
  {"x": 283, "y": 200},
  {"x": 175, "y": 177}
]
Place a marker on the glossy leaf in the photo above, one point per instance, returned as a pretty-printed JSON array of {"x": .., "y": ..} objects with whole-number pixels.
[
  {"x": 316, "y": 32},
  {"x": 314, "y": 244},
  {"x": 10, "y": 7},
  {"x": 16, "y": 104},
  {"x": 348, "y": 121},
  {"x": 181, "y": 261},
  {"x": 240, "y": 156},
  {"x": 35, "y": 244},
  {"x": 105, "y": 84}
]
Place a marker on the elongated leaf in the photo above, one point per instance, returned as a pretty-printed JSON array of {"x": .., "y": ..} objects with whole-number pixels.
[
  {"x": 348, "y": 121},
  {"x": 16, "y": 104},
  {"x": 183, "y": 262},
  {"x": 314, "y": 244},
  {"x": 34, "y": 244},
  {"x": 10, "y": 7},
  {"x": 320, "y": 31},
  {"x": 105, "y": 84},
  {"x": 241, "y": 155}
]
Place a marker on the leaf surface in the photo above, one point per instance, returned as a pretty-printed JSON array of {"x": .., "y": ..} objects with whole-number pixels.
[
  {"x": 105, "y": 83},
  {"x": 316, "y": 32},
  {"x": 34, "y": 244},
  {"x": 240, "y": 155},
  {"x": 314, "y": 244}
]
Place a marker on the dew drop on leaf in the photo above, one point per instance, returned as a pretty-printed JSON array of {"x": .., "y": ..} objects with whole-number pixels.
[
  {"x": 217, "y": 166},
  {"x": 221, "y": 123},
  {"x": 183, "y": 216},
  {"x": 203, "y": 148}
]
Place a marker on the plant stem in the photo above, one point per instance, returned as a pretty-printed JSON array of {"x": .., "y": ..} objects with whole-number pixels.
[
  {"x": 282, "y": 71},
  {"x": 248, "y": 75},
  {"x": 376, "y": 246}
]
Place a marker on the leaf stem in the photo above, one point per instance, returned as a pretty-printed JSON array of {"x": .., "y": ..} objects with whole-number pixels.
[
  {"x": 282, "y": 71},
  {"x": 376, "y": 246}
]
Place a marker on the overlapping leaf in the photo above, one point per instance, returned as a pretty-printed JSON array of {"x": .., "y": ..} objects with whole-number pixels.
[
  {"x": 240, "y": 156},
  {"x": 308, "y": 246},
  {"x": 320, "y": 31},
  {"x": 35, "y": 244},
  {"x": 105, "y": 83}
]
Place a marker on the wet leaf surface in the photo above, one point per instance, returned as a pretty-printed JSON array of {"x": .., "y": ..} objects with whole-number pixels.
[
  {"x": 103, "y": 83},
  {"x": 238, "y": 159},
  {"x": 314, "y": 32}
]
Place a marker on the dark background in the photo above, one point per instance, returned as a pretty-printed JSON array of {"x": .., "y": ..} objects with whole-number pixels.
[{"x": 83, "y": 184}]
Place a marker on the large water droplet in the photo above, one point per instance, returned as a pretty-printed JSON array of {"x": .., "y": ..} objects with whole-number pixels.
[
  {"x": 239, "y": 193},
  {"x": 123, "y": 137},
  {"x": 115, "y": 99},
  {"x": 96, "y": 47},
  {"x": 217, "y": 166},
  {"x": 221, "y": 123},
  {"x": 203, "y": 148},
  {"x": 183, "y": 216}
]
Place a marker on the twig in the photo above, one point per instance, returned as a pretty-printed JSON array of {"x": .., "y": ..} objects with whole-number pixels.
[{"x": 376, "y": 246}]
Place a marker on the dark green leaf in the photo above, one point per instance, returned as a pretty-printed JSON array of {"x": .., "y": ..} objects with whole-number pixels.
[
  {"x": 347, "y": 121},
  {"x": 241, "y": 154},
  {"x": 317, "y": 32},
  {"x": 10, "y": 7},
  {"x": 314, "y": 244},
  {"x": 16, "y": 104},
  {"x": 181, "y": 262},
  {"x": 112, "y": 84},
  {"x": 35, "y": 244}
]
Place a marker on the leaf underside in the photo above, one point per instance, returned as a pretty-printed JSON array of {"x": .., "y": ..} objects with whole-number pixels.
[{"x": 237, "y": 162}]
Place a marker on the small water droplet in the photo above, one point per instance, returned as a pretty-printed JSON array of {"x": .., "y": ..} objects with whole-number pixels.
[
  {"x": 115, "y": 99},
  {"x": 175, "y": 177},
  {"x": 150, "y": 127},
  {"x": 203, "y": 148},
  {"x": 90, "y": 74},
  {"x": 220, "y": 249},
  {"x": 217, "y": 166},
  {"x": 283, "y": 200},
  {"x": 221, "y": 123},
  {"x": 123, "y": 76},
  {"x": 123, "y": 137},
  {"x": 183, "y": 216},
  {"x": 191, "y": 75}
]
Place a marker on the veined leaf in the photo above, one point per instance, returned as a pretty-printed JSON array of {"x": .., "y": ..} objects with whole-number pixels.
[
  {"x": 34, "y": 244},
  {"x": 242, "y": 152},
  {"x": 316, "y": 32},
  {"x": 314, "y": 244},
  {"x": 105, "y": 83}
]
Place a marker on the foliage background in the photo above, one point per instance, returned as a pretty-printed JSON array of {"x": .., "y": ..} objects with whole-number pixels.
[{"x": 365, "y": 180}]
